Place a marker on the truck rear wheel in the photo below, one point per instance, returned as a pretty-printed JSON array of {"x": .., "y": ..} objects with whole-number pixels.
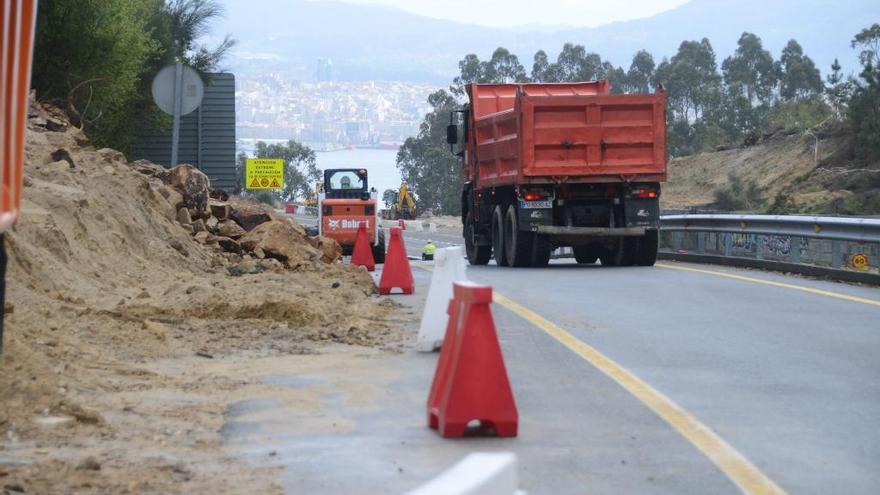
[
  {"x": 646, "y": 254},
  {"x": 586, "y": 255},
  {"x": 379, "y": 249},
  {"x": 621, "y": 252},
  {"x": 517, "y": 244},
  {"x": 498, "y": 237},
  {"x": 477, "y": 255}
]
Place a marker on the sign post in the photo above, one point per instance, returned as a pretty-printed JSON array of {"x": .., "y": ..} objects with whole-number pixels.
[{"x": 177, "y": 90}]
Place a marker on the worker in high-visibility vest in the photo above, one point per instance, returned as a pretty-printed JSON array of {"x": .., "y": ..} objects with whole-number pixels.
[{"x": 428, "y": 251}]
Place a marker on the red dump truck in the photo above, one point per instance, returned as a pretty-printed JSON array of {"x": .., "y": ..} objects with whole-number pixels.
[{"x": 560, "y": 164}]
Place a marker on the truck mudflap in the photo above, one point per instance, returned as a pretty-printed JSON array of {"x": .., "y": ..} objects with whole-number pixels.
[
  {"x": 642, "y": 213},
  {"x": 591, "y": 231}
]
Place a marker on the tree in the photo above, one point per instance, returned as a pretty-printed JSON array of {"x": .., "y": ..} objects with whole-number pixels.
[
  {"x": 800, "y": 77},
  {"x": 838, "y": 90},
  {"x": 640, "y": 76},
  {"x": 689, "y": 77},
  {"x": 542, "y": 69},
  {"x": 93, "y": 58},
  {"x": 751, "y": 70},
  {"x": 188, "y": 21},
  {"x": 425, "y": 162},
  {"x": 864, "y": 106},
  {"x": 868, "y": 40},
  {"x": 504, "y": 67},
  {"x": 471, "y": 71},
  {"x": 300, "y": 167}
]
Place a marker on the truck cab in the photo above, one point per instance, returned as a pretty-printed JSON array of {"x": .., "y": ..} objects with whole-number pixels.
[{"x": 345, "y": 203}]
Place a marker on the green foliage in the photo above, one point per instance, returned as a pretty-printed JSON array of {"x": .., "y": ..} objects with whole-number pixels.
[
  {"x": 737, "y": 196},
  {"x": 93, "y": 57},
  {"x": 640, "y": 77},
  {"x": 799, "y": 115},
  {"x": 97, "y": 58},
  {"x": 750, "y": 71},
  {"x": 425, "y": 162},
  {"x": 799, "y": 76},
  {"x": 864, "y": 106}
]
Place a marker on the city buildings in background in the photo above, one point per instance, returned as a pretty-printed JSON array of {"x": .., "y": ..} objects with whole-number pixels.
[{"x": 326, "y": 114}]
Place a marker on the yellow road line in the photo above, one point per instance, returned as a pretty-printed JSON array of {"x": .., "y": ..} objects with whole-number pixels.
[
  {"x": 826, "y": 293},
  {"x": 742, "y": 472}
]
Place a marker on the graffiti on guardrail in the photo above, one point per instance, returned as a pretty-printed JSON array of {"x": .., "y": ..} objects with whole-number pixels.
[
  {"x": 778, "y": 245},
  {"x": 860, "y": 261},
  {"x": 743, "y": 242}
]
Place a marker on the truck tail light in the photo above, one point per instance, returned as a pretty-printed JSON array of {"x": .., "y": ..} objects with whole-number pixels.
[
  {"x": 643, "y": 193},
  {"x": 533, "y": 196}
]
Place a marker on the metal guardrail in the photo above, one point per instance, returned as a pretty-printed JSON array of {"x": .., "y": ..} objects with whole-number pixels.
[
  {"x": 843, "y": 248},
  {"x": 840, "y": 228}
]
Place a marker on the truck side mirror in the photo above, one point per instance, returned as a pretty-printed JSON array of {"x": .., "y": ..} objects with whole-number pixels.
[{"x": 452, "y": 134}]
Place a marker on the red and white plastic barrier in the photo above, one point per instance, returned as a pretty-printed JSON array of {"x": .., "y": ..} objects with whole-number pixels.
[
  {"x": 480, "y": 473},
  {"x": 448, "y": 268}
]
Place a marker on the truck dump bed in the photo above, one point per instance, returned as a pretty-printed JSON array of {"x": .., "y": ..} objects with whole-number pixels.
[{"x": 572, "y": 132}]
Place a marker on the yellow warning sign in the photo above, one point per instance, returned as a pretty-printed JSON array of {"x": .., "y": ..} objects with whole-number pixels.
[
  {"x": 265, "y": 173},
  {"x": 860, "y": 261}
]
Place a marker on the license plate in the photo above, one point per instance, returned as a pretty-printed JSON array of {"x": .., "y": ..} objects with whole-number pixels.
[{"x": 535, "y": 204}]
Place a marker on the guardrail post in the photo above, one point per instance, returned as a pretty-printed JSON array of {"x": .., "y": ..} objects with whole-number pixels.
[
  {"x": 836, "y": 261},
  {"x": 676, "y": 241},
  {"x": 728, "y": 243},
  {"x": 701, "y": 242},
  {"x": 759, "y": 248},
  {"x": 796, "y": 249}
]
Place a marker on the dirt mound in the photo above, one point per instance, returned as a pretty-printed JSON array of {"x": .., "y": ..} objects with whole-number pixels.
[
  {"x": 790, "y": 173},
  {"x": 115, "y": 266}
]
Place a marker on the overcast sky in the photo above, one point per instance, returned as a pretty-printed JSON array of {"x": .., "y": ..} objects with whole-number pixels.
[{"x": 508, "y": 13}]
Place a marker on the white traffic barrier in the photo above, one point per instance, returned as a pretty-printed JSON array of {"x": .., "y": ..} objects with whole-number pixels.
[
  {"x": 415, "y": 225},
  {"x": 448, "y": 268},
  {"x": 481, "y": 473},
  {"x": 432, "y": 227}
]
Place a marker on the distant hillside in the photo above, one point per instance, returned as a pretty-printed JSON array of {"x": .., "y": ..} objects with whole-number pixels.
[
  {"x": 779, "y": 175},
  {"x": 367, "y": 41}
]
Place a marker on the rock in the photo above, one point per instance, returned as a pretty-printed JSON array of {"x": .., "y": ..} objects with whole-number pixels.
[
  {"x": 218, "y": 194},
  {"x": 63, "y": 154},
  {"x": 229, "y": 245},
  {"x": 211, "y": 223},
  {"x": 280, "y": 240},
  {"x": 245, "y": 267},
  {"x": 156, "y": 328},
  {"x": 89, "y": 464},
  {"x": 271, "y": 264},
  {"x": 202, "y": 237},
  {"x": 184, "y": 217},
  {"x": 249, "y": 215},
  {"x": 199, "y": 226},
  {"x": 156, "y": 194},
  {"x": 8, "y": 308},
  {"x": 220, "y": 209},
  {"x": 258, "y": 253},
  {"x": 188, "y": 229},
  {"x": 109, "y": 170},
  {"x": 192, "y": 184},
  {"x": 229, "y": 228},
  {"x": 110, "y": 155},
  {"x": 13, "y": 488},
  {"x": 52, "y": 421},
  {"x": 330, "y": 250},
  {"x": 179, "y": 247},
  {"x": 147, "y": 167}
]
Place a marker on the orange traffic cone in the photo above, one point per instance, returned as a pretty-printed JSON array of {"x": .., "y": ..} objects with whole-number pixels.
[
  {"x": 396, "y": 273},
  {"x": 362, "y": 255},
  {"x": 470, "y": 382}
]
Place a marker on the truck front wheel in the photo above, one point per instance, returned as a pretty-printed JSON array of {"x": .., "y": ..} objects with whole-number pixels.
[
  {"x": 477, "y": 255},
  {"x": 379, "y": 249},
  {"x": 498, "y": 250}
]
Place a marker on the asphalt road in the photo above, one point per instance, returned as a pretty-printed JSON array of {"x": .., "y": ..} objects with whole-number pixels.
[{"x": 784, "y": 371}]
